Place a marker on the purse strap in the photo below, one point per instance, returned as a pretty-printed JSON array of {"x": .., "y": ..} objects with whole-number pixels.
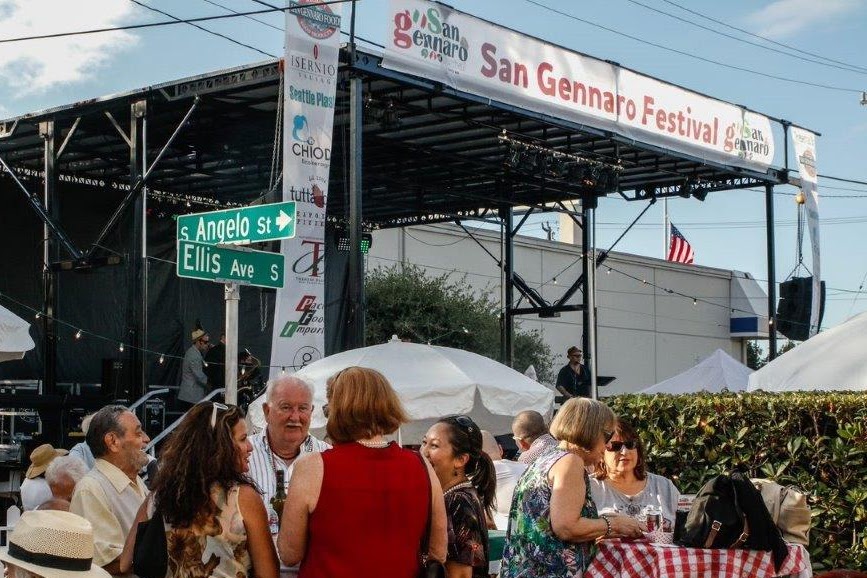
[{"x": 424, "y": 547}]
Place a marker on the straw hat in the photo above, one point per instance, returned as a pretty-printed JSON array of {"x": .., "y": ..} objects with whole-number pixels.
[
  {"x": 53, "y": 544},
  {"x": 41, "y": 457},
  {"x": 198, "y": 334}
]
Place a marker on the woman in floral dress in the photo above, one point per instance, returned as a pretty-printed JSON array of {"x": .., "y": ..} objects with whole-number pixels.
[{"x": 553, "y": 523}]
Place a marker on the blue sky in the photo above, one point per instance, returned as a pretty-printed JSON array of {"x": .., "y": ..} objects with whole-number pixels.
[{"x": 726, "y": 230}]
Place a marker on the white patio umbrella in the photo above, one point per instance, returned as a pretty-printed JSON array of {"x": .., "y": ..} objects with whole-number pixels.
[
  {"x": 15, "y": 338},
  {"x": 432, "y": 382}
]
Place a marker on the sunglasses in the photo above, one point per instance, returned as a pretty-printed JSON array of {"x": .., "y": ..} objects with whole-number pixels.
[
  {"x": 608, "y": 435},
  {"x": 618, "y": 446},
  {"x": 325, "y": 410},
  {"x": 465, "y": 422},
  {"x": 217, "y": 407}
]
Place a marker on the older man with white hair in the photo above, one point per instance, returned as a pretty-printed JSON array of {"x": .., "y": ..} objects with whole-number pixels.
[
  {"x": 288, "y": 408},
  {"x": 62, "y": 475}
]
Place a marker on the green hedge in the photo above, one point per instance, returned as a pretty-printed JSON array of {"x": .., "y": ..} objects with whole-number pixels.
[{"x": 814, "y": 441}]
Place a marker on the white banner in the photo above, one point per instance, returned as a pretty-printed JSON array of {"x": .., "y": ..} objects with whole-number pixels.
[
  {"x": 434, "y": 41},
  {"x": 312, "y": 47},
  {"x": 805, "y": 150}
]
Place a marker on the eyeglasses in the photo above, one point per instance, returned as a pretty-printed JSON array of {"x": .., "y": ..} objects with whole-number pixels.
[
  {"x": 325, "y": 410},
  {"x": 215, "y": 408},
  {"x": 618, "y": 446}
]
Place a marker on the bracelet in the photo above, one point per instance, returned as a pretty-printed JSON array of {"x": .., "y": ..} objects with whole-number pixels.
[{"x": 607, "y": 525}]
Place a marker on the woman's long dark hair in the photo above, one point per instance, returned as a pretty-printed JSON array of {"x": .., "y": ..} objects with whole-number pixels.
[
  {"x": 195, "y": 457},
  {"x": 466, "y": 438}
]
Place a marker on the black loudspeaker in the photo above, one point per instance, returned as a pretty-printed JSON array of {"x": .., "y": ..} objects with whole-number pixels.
[
  {"x": 793, "y": 310},
  {"x": 116, "y": 378}
]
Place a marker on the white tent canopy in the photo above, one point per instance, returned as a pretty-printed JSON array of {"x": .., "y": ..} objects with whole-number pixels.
[
  {"x": 432, "y": 382},
  {"x": 717, "y": 372},
  {"x": 15, "y": 338},
  {"x": 833, "y": 360}
]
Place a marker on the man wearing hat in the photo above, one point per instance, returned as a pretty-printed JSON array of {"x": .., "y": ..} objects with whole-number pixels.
[
  {"x": 194, "y": 382},
  {"x": 51, "y": 544},
  {"x": 35, "y": 489},
  {"x": 574, "y": 379}
]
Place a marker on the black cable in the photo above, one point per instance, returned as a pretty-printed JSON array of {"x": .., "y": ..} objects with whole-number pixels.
[
  {"x": 842, "y": 180},
  {"x": 856, "y": 70},
  {"x": 162, "y": 23},
  {"x": 690, "y": 55},
  {"x": 203, "y": 29},
  {"x": 268, "y": 24},
  {"x": 765, "y": 38}
]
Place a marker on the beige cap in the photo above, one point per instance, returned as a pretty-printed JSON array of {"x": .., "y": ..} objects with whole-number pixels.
[{"x": 41, "y": 457}]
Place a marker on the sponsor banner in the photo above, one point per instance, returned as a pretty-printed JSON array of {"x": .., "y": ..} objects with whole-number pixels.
[
  {"x": 434, "y": 41},
  {"x": 312, "y": 47},
  {"x": 805, "y": 150}
]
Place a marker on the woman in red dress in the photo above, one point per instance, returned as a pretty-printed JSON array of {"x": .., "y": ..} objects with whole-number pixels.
[{"x": 360, "y": 510}]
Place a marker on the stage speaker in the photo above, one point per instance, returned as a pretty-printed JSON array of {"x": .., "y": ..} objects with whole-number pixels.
[
  {"x": 794, "y": 307},
  {"x": 116, "y": 378}
]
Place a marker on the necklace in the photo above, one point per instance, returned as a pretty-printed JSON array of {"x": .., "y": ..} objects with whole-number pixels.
[
  {"x": 370, "y": 444},
  {"x": 459, "y": 486}
]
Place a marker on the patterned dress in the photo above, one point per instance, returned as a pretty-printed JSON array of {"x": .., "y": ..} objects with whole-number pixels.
[
  {"x": 532, "y": 550},
  {"x": 467, "y": 530},
  {"x": 215, "y": 546}
]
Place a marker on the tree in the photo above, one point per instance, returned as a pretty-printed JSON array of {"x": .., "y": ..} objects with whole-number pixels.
[
  {"x": 442, "y": 311},
  {"x": 754, "y": 355}
]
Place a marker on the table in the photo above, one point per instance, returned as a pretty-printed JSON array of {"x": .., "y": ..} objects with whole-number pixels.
[{"x": 642, "y": 559}]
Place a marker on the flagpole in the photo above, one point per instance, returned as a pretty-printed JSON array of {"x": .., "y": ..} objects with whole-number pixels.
[{"x": 665, "y": 234}]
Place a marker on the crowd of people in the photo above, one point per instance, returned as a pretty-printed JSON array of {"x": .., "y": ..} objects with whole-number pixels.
[{"x": 354, "y": 504}]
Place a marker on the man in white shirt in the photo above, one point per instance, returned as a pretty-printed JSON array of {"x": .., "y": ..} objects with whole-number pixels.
[
  {"x": 35, "y": 489},
  {"x": 508, "y": 474},
  {"x": 110, "y": 495},
  {"x": 288, "y": 408}
]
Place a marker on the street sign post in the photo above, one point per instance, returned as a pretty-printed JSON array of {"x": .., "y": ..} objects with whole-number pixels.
[
  {"x": 229, "y": 264},
  {"x": 203, "y": 254},
  {"x": 240, "y": 226}
]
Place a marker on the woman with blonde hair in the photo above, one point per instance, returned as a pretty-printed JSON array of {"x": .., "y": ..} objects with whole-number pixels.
[
  {"x": 553, "y": 522},
  {"x": 216, "y": 525},
  {"x": 361, "y": 509}
]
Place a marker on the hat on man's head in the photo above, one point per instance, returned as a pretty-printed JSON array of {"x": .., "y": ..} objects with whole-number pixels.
[
  {"x": 198, "y": 334},
  {"x": 53, "y": 544},
  {"x": 41, "y": 457}
]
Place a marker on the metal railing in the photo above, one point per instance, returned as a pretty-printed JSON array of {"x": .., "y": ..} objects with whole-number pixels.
[{"x": 151, "y": 447}]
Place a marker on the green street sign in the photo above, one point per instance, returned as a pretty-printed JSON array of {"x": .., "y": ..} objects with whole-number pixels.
[
  {"x": 241, "y": 226},
  {"x": 229, "y": 265}
]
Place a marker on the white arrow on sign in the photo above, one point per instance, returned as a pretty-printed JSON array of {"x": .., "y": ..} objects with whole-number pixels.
[{"x": 283, "y": 220}]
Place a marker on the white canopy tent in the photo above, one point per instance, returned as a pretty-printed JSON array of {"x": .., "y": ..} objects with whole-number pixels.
[
  {"x": 432, "y": 382},
  {"x": 717, "y": 372},
  {"x": 15, "y": 338},
  {"x": 833, "y": 360}
]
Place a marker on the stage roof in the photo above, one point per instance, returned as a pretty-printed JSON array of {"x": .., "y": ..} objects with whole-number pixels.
[{"x": 430, "y": 152}]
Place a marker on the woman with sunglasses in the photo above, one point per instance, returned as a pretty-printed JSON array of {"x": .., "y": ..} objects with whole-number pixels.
[
  {"x": 622, "y": 483},
  {"x": 453, "y": 446},
  {"x": 216, "y": 525},
  {"x": 553, "y": 522},
  {"x": 361, "y": 509}
]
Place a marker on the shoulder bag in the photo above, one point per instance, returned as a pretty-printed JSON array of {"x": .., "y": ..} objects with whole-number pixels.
[{"x": 150, "y": 558}]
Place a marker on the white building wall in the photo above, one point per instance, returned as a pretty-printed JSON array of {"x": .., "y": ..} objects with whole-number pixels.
[{"x": 645, "y": 334}]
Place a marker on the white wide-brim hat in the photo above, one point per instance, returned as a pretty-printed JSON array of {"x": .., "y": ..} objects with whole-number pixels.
[{"x": 53, "y": 544}]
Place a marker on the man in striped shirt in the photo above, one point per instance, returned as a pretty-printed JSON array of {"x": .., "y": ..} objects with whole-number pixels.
[{"x": 288, "y": 408}]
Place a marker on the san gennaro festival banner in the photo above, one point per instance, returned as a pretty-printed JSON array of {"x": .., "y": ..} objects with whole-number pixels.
[
  {"x": 805, "y": 150},
  {"x": 312, "y": 47},
  {"x": 431, "y": 40}
]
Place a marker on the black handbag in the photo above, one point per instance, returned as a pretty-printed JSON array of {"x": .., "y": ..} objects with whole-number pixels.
[
  {"x": 150, "y": 555},
  {"x": 728, "y": 512},
  {"x": 428, "y": 568}
]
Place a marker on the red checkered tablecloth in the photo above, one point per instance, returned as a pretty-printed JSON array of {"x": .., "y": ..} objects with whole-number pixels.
[{"x": 622, "y": 559}]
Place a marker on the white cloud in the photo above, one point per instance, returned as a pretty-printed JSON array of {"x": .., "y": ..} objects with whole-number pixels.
[
  {"x": 33, "y": 66},
  {"x": 787, "y": 17}
]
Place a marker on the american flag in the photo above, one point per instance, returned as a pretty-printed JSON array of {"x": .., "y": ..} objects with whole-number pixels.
[{"x": 680, "y": 251}]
